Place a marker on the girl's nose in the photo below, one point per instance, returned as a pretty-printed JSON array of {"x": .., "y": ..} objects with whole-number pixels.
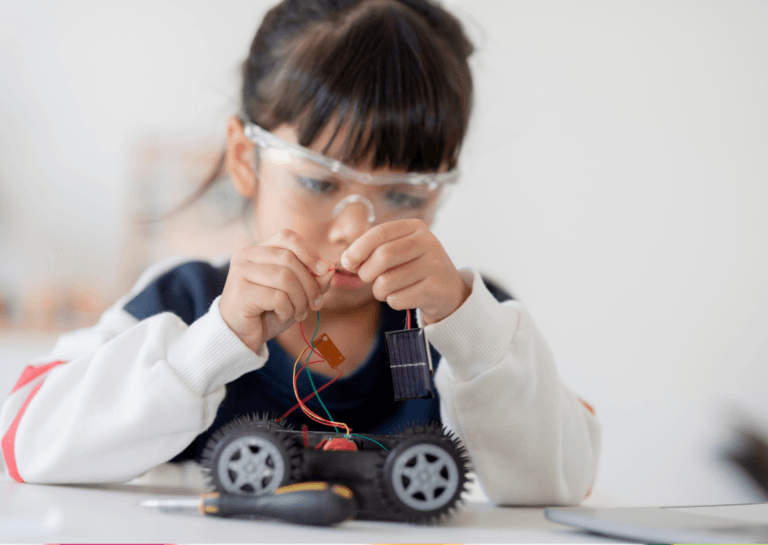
[{"x": 352, "y": 218}]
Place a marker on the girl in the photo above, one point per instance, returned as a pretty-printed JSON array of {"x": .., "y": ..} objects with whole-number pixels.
[{"x": 353, "y": 114}]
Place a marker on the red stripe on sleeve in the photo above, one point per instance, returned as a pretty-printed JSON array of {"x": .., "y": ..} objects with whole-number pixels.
[
  {"x": 31, "y": 372},
  {"x": 9, "y": 439},
  {"x": 586, "y": 405}
]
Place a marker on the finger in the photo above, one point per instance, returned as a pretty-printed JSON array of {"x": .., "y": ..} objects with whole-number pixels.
[
  {"x": 363, "y": 247},
  {"x": 324, "y": 281},
  {"x": 267, "y": 299},
  {"x": 290, "y": 240},
  {"x": 398, "y": 278},
  {"x": 408, "y": 297},
  {"x": 391, "y": 255},
  {"x": 260, "y": 256},
  {"x": 277, "y": 278}
]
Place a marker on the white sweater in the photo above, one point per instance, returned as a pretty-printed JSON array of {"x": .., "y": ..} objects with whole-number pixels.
[{"x": 112, "y": 401}]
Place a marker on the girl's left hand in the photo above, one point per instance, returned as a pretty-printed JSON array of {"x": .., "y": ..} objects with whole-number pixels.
[{"x": 408, "y": 268}]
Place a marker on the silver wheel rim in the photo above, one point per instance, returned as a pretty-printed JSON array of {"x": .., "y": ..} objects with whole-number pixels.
[
  {"x": 251, "y": 465},
  {"x": 425, "y": 477}
]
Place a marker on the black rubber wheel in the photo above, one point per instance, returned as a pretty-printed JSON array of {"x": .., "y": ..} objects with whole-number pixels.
[
  {"x": 251, "y": 456},
  {"x": 424, "y": 474}
]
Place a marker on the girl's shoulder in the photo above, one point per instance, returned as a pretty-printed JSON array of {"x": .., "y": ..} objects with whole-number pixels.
[{"x": 185, "y": 286}]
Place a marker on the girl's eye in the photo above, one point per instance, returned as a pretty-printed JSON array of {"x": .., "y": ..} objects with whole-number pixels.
[
  {"x": 403, "y": 200},
  {"x": 321, "y": 187}
]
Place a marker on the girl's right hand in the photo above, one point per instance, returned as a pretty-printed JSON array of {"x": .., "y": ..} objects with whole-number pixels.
[{"x": 272, "y": 285}]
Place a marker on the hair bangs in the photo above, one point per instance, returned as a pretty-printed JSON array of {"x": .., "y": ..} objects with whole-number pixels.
[{"x": 378, "y": 79}]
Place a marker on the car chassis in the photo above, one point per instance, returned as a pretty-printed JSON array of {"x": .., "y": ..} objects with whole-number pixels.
[{"x": 415, "y": 475}]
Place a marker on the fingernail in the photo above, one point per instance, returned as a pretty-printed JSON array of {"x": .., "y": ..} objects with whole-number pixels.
[
  {"x": 321, "y": 267},
  {"x": 345, "y": 262},
  {"x": 303, "y": 317},
  {"x": 319, "y": 302}
]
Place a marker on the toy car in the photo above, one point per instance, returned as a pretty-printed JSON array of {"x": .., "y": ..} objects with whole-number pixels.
[{"x": 416, "y": 475}]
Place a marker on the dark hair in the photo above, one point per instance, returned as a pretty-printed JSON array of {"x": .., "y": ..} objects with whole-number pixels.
[{"x": 392, "y": 72}]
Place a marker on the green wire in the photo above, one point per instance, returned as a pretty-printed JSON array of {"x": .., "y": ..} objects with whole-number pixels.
[
  {"x": 312, "y": 382},
  {"x": 374, "y": 440},
  {"x": 317, "y": 395}
]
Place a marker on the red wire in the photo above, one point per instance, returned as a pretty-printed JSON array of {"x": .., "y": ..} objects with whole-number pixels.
[
  {"x": 408, "y": 319},
  {"x": 300, "y": 403},
  {"x": 312, "y": 415},
  {"x": 312, "y": 348},
  {"x": 310, "y": 396},
  {"x": 304, "y": 408},
  {"x": 306, "y": 366}
]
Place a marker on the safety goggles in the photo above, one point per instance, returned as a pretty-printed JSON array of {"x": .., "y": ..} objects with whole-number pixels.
[{"x": 313, "y": 184}]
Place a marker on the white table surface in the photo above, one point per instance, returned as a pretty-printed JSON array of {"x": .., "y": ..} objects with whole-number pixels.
[{"x": 111, "y": 513}]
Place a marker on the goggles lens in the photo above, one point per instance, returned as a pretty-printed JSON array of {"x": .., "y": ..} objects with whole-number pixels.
[{"x": 313, "y": 184}]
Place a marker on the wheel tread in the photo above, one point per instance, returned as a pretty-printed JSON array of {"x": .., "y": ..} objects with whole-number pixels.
[
  {"x": 241, "y": 423},
  {"x": 436, "y": 434}
]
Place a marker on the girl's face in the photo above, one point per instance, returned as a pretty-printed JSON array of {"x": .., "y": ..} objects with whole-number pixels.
[{"x": 329, "y": 236}]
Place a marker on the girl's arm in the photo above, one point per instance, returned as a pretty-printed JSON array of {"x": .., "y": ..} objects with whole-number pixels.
[
  {"x": 531, "y": 440},
  {"x": 117, "y": 399}
]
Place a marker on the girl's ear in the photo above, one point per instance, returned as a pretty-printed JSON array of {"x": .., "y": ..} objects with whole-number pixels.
[{"x": 240, "y": 159}]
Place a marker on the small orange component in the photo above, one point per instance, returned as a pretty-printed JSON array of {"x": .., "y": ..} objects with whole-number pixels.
[
  {"x": 329, "y": 351},
  {"x": 339, "y": 443}
]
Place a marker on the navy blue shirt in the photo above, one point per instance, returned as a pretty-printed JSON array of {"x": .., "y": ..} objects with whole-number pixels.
[{"x": 363, "y": 400}]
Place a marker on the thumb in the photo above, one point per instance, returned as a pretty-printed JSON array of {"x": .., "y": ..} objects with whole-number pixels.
[{"x": 324, "y": 280}]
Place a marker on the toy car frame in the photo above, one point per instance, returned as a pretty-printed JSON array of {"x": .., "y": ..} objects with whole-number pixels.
[{"x": 416, "y": 475}]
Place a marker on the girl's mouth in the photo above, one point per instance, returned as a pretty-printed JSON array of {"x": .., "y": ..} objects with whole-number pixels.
[{"x": 346, "y": 279}]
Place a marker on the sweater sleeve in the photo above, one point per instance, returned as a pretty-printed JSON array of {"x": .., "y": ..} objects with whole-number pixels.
[
  {"x": 530, "y": 439},
  {"x": 114, "y": 400}
]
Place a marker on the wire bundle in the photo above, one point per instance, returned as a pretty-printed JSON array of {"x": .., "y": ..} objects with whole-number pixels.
[{"x": 315, "y": 391}]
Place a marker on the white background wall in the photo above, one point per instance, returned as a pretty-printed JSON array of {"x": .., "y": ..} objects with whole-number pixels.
[{"x": 615, "y": 181}]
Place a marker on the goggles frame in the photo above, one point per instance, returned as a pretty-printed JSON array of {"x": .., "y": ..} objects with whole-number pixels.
[{"x": 263, "y": 139}]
